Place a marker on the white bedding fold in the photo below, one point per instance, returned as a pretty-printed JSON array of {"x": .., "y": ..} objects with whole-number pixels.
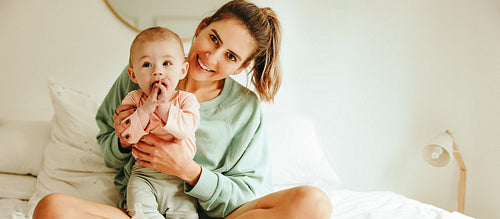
[{"x": 17, "y": 186}]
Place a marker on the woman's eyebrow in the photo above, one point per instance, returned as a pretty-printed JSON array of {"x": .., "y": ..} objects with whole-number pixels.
[
  {"x": 216, "y": 34},
  {"x": 220, "y": 40}
]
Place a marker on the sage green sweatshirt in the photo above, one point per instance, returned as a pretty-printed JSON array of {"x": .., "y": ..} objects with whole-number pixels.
[{"x": 231, "y": 148}]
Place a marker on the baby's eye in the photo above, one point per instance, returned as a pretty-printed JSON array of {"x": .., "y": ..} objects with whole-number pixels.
[
  {"x": 146, "y": 65},
  {"x": 167, "y": 63},
  {"x": 214, "y": 39}
]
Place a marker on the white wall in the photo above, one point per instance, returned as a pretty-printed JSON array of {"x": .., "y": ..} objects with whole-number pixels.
[
  {"x": 379, "y": 77},
  {"x": 382, "y": 77},
  {"x": 78, "y": 43}
]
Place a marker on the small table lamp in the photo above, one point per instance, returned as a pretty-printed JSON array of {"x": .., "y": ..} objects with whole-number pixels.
[{"x": 438, "y": 153}]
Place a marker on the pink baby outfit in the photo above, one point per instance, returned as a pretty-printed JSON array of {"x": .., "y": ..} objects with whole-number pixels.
[
  {"x": 156, "y": 194},
  {"x": 183, "y": 119}
]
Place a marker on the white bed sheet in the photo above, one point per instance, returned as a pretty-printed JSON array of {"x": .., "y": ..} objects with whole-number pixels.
[
  {"x": 382, "y": 205},
  {"x": 346, "y": 204},
  {"x": 13, "y": 209}
]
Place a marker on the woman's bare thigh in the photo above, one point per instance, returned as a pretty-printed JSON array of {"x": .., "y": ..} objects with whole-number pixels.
[{"x": 58, "y": 205}]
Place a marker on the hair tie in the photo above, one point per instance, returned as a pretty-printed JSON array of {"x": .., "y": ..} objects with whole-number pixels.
[{"x": 265, "y": 11}]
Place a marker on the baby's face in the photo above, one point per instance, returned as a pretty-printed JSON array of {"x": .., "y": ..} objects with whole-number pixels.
[{"x": 158, "y": 62}]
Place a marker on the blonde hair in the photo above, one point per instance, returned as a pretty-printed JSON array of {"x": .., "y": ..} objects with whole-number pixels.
[
  {"x": 153, "y": 34},
  {"x": 265, "y": 28}
]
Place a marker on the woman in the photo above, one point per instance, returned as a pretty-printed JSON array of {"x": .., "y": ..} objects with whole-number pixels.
[{"x": 229, "y": 175}]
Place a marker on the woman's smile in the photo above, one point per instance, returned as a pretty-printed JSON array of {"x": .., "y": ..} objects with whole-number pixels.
[{"x": 203, "y": 66}]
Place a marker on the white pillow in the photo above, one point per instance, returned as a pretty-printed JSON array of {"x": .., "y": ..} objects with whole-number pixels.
[
  {"x": 22, "y": 144},
  {"x": 73, "y": 163},
  {"x": 296, "y": 154}
]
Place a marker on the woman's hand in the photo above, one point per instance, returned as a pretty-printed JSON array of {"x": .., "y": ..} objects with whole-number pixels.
[
  {"x": 122, "y": 112},
  {"x": 172, "y": 158}
]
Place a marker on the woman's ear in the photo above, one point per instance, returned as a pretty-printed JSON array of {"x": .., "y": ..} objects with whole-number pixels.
[
  {"x": 201, "y": 26},
  {"x": 131, "y": 74}
]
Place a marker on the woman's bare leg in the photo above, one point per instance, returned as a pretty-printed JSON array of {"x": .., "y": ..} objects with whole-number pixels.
[
  {"x": 298, "y": 202},
  {"x": 58, "y": 205}
]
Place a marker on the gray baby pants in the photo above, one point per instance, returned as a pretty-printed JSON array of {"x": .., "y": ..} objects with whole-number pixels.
[{"x": 160, "y": 195}]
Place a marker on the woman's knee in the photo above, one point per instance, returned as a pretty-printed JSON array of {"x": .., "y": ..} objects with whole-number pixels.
[
  {"x": 54, "y": 205},
  {"x": 314, "y": 201}
]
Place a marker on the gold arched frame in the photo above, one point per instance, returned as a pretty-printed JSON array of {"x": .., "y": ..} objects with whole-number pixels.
[
  {"x": 182, "y": 17},
  {"x": 120, "y": 17}
]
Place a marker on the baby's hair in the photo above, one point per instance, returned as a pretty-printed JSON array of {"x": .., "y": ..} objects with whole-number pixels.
[
  {"x": 153, "y": 34},
  {"x": 265, "y": 28}
]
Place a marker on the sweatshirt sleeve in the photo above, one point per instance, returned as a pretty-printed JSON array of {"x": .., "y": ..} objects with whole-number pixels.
[
  {"x": 247, "y": 178},
  {"x": 108, "y": 141}
]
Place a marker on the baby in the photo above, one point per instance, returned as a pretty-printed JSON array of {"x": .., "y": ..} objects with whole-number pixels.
[{"x": 157, "y": 64}]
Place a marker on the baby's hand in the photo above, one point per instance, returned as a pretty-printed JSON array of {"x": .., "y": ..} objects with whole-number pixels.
[
  {"x": 164, "y": 94},
  {"x": 151, "y": 102},
  {"x": 164, "y": 101}
]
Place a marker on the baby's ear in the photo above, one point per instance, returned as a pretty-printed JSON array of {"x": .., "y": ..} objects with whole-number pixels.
[
  {"x": 184, "y": 69},
  {"x": 131, "y": 74}
]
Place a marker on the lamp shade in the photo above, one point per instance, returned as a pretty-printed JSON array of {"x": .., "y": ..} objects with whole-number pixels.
[{"x": 439, "y": 150}]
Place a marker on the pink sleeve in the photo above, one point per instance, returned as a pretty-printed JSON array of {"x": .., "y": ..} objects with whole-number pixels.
[
  {"x": 191, "y": 145},
  {"x": 134, "y": 132},
  {"x": 183, "y": 116}
]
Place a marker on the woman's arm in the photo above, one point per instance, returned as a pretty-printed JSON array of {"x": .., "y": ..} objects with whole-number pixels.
[
  {"x": 172, "y": 158},
  {"x": 108, "y": 141}
]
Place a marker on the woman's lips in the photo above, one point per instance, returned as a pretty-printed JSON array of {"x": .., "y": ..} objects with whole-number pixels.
[{"x": 203, "y": 67}]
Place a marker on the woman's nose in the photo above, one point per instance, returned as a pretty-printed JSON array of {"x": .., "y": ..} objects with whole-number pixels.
[{"x": 213, "y": 56}]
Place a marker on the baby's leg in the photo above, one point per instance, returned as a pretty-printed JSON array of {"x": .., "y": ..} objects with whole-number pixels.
[
  {"x": 172, "y": 200},
  {"x": 139, "y": 191}
]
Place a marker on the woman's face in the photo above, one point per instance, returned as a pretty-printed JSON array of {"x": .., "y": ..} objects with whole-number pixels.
[{"x": 219, "y": 50}]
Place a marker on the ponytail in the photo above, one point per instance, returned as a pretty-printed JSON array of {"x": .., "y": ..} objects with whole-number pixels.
[{"x": 267, "y": 73}]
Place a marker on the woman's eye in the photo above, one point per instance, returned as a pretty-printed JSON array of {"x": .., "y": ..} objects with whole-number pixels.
[
  {"x": 167, "y": 63},
  {"x": 214, "y": 39},
  {"x": 146, "y": 65},
  {"x": 231, "y": 57}
]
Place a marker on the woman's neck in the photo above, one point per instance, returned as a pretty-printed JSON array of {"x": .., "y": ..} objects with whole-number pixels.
[{"x": 204, "y": 91}]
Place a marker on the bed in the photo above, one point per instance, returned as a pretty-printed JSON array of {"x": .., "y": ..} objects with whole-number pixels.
[{"x": 62, "y": 155}]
